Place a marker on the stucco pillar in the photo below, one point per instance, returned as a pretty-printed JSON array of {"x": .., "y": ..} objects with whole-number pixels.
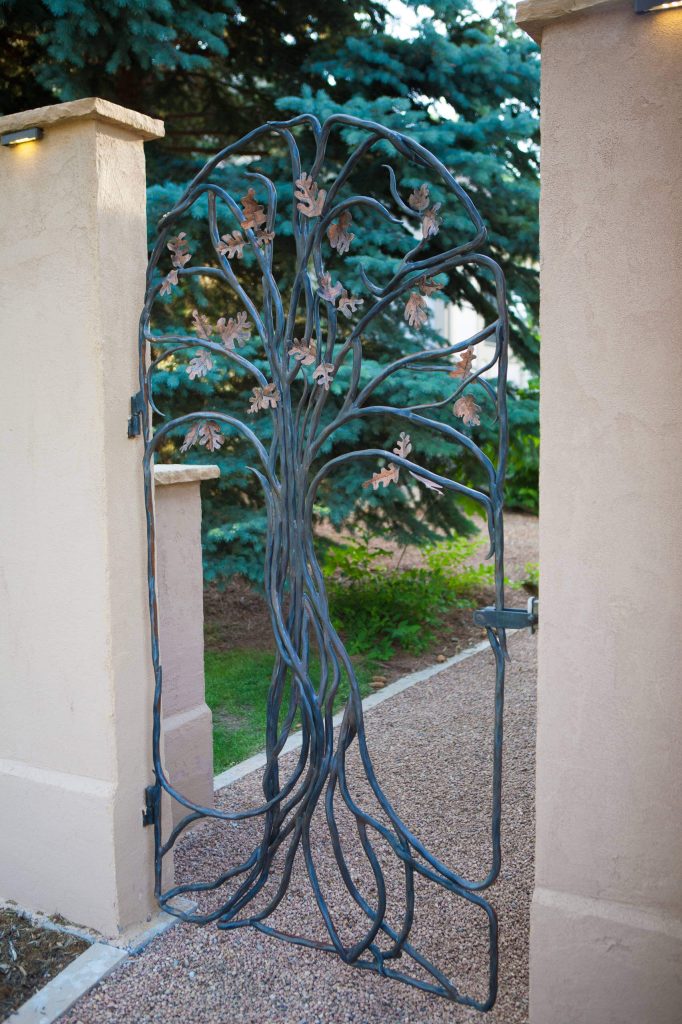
[
  {"x": 75, "y": 750},
  {"x": 187, "y": 720},
  {"x": 606, "y": 931}
]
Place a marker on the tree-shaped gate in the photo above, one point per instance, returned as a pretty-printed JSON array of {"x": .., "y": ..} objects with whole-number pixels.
[{"x": 310, "y": 342}]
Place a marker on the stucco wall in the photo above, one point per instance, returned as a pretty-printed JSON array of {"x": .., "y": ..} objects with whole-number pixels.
[
  {"x": 74, "y": 637},
  {"x": 606, "y": 942}
]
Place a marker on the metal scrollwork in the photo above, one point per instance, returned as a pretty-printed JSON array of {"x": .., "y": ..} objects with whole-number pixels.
[{"x": 311, "y": 342}]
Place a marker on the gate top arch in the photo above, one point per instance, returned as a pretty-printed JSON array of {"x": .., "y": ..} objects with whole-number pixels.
[{"x": 301, "y": 345}]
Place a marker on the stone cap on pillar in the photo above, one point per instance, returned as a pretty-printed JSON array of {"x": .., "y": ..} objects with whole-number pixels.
[
  {"x": 90, "y": 109},
  {"x": 533, "y": 15},
  {"x": 181, "y": 474}
]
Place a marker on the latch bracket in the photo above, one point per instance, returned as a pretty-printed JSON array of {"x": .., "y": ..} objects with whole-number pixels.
[
  {"x": 509, "y": 618},
  {"x": 135, "y": 419},
  {"x": 151, "y": 804}
]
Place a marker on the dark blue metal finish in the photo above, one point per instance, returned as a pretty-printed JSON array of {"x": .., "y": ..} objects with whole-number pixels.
[{"x": 290, "y": 470}]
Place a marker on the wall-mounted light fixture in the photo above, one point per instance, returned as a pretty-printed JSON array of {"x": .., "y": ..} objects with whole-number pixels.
[
  {"x": 25, "y": 135},
  {"x": 651, "y": 6}
]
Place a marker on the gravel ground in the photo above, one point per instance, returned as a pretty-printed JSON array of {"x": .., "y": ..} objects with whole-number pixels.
[{"x": 431, "y": 751}]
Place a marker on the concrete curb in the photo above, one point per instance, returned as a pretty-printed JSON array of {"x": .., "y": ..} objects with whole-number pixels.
[
  {"x": 252, "y": 764},
  {"x": 91, "y": 967},
  {"x": 70, "y": 984}
]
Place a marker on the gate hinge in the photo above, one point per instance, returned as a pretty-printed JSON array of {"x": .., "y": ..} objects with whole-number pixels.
[
  {"x": 151, "y": 804},
  {"x": 135, "y": 419},
  {"x": 509, "y": 618}
]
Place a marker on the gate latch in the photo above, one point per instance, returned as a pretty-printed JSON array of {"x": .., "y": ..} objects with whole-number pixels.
[
  {"x": 509, "y": 618},
  {"x": 135, "y": 419},
  {"x": 151, "y": 803}
]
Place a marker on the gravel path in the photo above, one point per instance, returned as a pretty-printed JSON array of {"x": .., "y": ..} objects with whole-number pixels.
[{"x": 431, "y": 750}]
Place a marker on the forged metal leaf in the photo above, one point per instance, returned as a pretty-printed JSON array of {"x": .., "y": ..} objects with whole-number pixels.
[
  {"x": 202, "y": 325},
  {"x": 463, "y": 366},
  {"x": 210, "y": 435},
  {"x": 264, "y": 398},
  {"x": 466, "y": 408},
  {"x": 310, "y": 197},
  {"x": 264, "y": 237},
  {"x": 388, "y": 475},
  {"x": 191, "y": 438},
  {"x": 427, "y": 285},
  {"x": 432, "y": 485},
  {"x": 304, "y": 353},
  {"x": 338, "y": 234},
  {"x": 404, "y": 445},
  {"x": 234, "y": 331},
  {"x": 329, "y": 291},
  {"x": 416, "y": 312},
  {"x": 431, "y": 221},
  {"x": 349, "y": 303},
  {"x": 179, "y": 249},
  {"x": 324, "y": 375},
  {"x": 169, "y": 280},
  {"x": 420, "y": 199},
  {"x": 232, "y": 245},
  {"x": 254, "y": 214},
  {"x": 199, "y": 365}
]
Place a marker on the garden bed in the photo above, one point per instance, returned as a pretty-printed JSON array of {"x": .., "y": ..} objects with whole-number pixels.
[{"x": 30, "y": 956}]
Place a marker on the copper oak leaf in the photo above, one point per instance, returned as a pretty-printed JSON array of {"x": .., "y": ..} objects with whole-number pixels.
[
  {"x": 234, "y": 331},
  {"x": 432, "y": 485},
  {"x": 349, "y": 303},
  {"x": 330, "y": 292},
  {"x": 303, "y": 352},
  {"x": 232, "y": 245},
  {"x": 420, "y": 199},
  {"x": 427, "y": 285},
  {"x": 254, "y": 214},
  {"x": 310, "y": 197},
  {"x": 431, "y": 221},
  {"x": 467, "y": 410},
  {"x": 463, "y": 366},
  {"x": 180, "y": 254},
  {"x": 339, "y": 235},
  {"x": 169, "y": 280},
  {"x": 404, "y": 445},
  {"x": 264, "y": 398},
  {"x": 388, "y": 475},
  {"x": 200, "y": 365},
  {"x": 202, "y": 325},
  {"x": 416, "y": 310},
  {"x": 207, "y": 434},
  {"x": 324, "y": 375}
]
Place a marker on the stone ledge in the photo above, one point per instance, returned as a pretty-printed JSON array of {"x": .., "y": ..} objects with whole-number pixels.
[
  {"x": 533, "y": 15},
  {"x": 172, "y": 474},
  {"x": 90, "y": 109}
]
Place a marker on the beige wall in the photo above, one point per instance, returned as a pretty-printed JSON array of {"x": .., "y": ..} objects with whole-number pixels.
[
  {"x": 187, "y": 721},
  {"x": 75, "y": 666},
  {"x": 606, "y": 938}
]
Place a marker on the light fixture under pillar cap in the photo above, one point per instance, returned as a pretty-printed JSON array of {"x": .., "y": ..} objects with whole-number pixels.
[
  {"x": 25, "y": 135},
  {"x": 651, "y": 6}
]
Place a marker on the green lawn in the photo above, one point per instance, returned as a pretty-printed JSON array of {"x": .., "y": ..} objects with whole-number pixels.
[{"x": 237, "y": 684}]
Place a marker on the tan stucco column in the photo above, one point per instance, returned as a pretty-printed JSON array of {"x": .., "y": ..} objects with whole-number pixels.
[
  {"x": 74, "y": 635},
  {"x": 606, "y": 931},
  {"x": 187, "y": 721}
]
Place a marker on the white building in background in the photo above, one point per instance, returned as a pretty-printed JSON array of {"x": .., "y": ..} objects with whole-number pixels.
[{"x": 457, "y": 323}]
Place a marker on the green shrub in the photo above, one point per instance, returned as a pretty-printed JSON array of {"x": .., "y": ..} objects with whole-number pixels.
[
  {"x": 531, "y": 581},
  {"x": 379, "y": 608}
]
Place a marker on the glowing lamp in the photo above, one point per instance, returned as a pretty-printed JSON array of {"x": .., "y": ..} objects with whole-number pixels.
[
  {"x": 25, "y": 135},
  {"x": 651, "y": 6}
]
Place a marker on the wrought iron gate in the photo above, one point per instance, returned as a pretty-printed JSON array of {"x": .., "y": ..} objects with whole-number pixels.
[{"x": 298, "y": 355}]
